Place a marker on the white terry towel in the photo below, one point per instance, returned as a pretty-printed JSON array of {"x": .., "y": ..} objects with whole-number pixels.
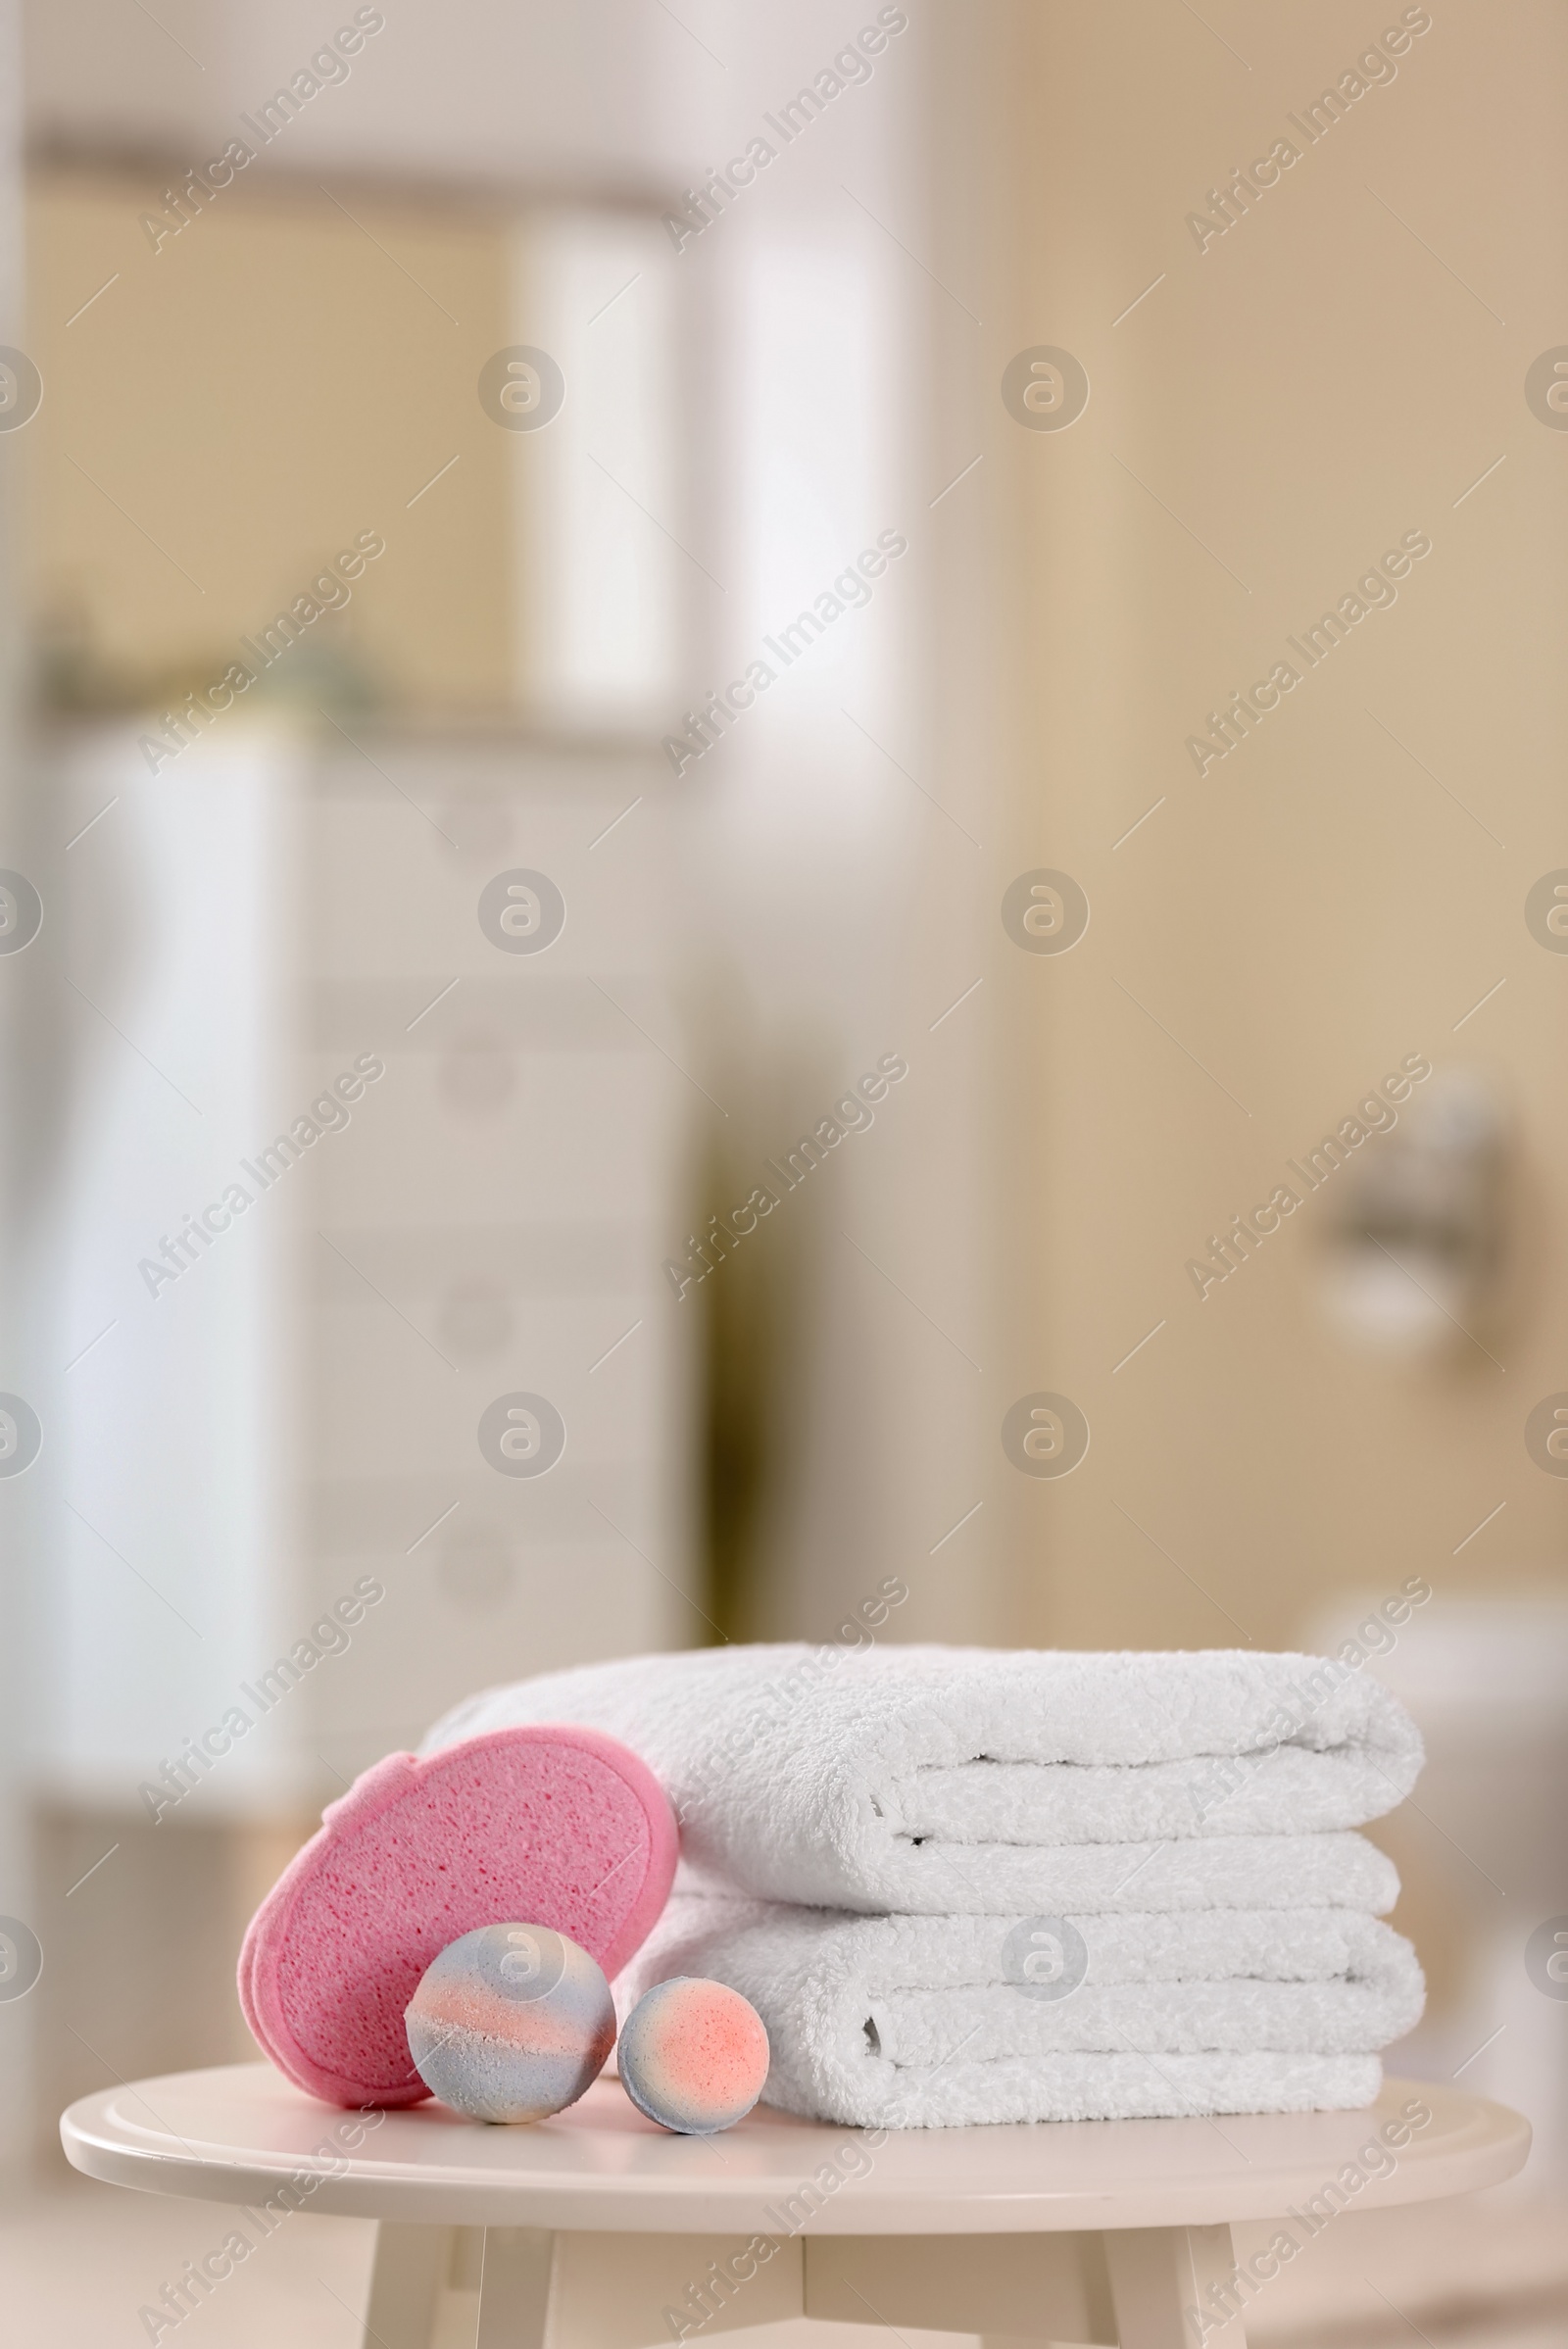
[
  {"x": 932, "y": 1779},
  {"x": 928, "y": 2021}
]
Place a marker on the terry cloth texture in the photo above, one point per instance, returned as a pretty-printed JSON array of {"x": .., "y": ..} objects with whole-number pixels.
[
  {"x": 934, "y": 1780},
  {"x": 919, "y": 2022},
  {"x": 963, "y": 1885}
]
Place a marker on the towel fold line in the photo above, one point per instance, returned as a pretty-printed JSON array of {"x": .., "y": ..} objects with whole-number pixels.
[
  {"x": 848, "y": 1778},
  {"x": 934, "y": 2021}
]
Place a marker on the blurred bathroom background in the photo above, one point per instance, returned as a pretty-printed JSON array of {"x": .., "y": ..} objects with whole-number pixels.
[{"x": 470, "y": 378}]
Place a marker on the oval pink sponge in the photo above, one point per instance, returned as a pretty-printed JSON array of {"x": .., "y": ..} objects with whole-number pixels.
[
  {"x": 693, "y": 2055},
  {"x": 562, "y": 1826}
]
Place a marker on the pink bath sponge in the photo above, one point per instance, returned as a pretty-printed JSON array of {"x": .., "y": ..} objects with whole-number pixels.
[{"x": 562, "y": 1826}]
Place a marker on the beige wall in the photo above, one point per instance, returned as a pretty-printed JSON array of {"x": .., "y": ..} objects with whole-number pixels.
[
  {"x": 248, "y": 398},
  {"x": 1315, "y": 383}
]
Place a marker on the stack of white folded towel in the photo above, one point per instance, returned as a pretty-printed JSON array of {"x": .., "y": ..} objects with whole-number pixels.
[{"x": 966, "y": 1886}]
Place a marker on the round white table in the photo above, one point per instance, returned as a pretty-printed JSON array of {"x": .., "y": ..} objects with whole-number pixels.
[{"x": 597, "y": 2230}]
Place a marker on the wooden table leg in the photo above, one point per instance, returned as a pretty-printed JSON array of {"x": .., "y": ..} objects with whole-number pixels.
[
  {"x": 1169, "y": 2287},
  {"x": 406, "y": 2277},
  {"x": 514, "y": 2287}
]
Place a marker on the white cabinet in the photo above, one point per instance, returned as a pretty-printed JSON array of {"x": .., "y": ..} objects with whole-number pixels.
[{"x": 462, "y": 1155}]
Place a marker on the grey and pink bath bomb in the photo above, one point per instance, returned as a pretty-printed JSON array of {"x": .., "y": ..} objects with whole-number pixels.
[
  {"x": 693, "y": 2056},
  {"x": 511, "y": 2023}
]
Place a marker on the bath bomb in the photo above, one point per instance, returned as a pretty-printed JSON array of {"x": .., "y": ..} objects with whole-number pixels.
[
  {"x": 511, "y": 2023},
  {"x": 561, "y": 1825},
  {"x": 693, "y": 2056}
]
